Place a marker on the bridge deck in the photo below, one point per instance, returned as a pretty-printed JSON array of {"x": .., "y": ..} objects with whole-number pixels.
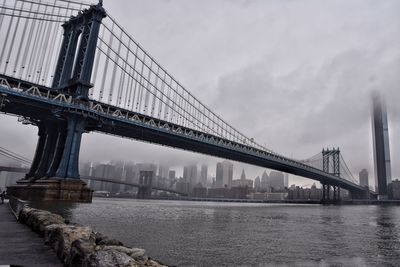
[{"x": 20, "y": 246}]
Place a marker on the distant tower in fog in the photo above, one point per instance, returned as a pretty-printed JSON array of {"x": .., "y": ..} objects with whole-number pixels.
[
  {"x": 363, "y": 177},
  {"x": 380, "y": 134}
]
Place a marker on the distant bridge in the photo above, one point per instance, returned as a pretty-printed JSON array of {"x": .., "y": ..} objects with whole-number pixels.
[{"x": 99, "y": 179}]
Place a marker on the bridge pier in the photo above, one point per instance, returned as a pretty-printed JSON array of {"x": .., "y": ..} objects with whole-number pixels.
[
  {"x": 54, "y": 173},
  {"x": 330, "y": 196},
  {"x": 145, "y": 184}
]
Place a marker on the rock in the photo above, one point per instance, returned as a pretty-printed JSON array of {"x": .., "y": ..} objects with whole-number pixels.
[
  {"x": 153, "y": 263},
  {"x": 109, "y": 258},
  {"x": 24, "y": 214},
  {"x": 99, "y": 237},
  {"x": 61, "y": 236},
  {"x": 136, "y": 253},
  {"x": 39, "y": 219},
  {"x": 110, "y": 242},
  {"x": 80, "y": 250},
  {"x": 76, "y": 245}
]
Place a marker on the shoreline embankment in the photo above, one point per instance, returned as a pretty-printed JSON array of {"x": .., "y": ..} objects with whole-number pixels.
[{"x": 77, "y": 245}]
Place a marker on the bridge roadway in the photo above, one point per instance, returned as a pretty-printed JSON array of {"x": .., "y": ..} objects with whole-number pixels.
[
  {"x": 20, "y": 246},
  {"x": 35, "y": 102}
]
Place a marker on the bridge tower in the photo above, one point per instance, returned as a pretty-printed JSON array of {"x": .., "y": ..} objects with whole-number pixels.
[
  {"x": 331, "y": 164},
  {"x": 145, "y": 184},
  {"x": 55, "y": 167}
]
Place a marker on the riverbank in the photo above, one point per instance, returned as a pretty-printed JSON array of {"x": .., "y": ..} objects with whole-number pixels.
[
  {"x": 20, "y": 246},
  {"x": 77, "y": 245}
]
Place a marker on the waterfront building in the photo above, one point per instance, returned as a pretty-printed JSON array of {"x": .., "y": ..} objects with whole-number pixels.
[
  {"x": 363, "y": 178},
  {"x": 238, "y": 192},
  {"x": 277, "y": 181},
  {"x": 199, "y": 191},
  {"x": 103, "y": 170},
  {"x": 224, "y": 174},
  {"x": 276, "y": 196},
  {"x": 380, "y": 135},
  {"x": 286, "y": 180},
  {"x": 257, "y": 184},
  {"x": 117, "y": 175},
  {"x": 394, "y": 190},
  {"x": 203, "y": 175},
  {"x": 218, "y": 193},
  {"x": 163, "y": 171},
  {"x": 264, "y": 181},
  {"x": 315, "y": 193},
  {"x": 182, "y": 186},
  {"x": 190, "y": 175},
  {"x": 171, "y": 175},
  {"x": 300, "y": 193},
  {"x": 258, "y": 196},
  {"x": 242, "y": 182}
]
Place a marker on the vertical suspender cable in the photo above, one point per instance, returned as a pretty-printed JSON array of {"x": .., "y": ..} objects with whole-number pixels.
[
  {"x": 53, "y": 33},
  {"x": 43, "y": 46},
  {"x": 97, "y": 61},
  {"x": 127, "y": 65},
  {"x": 7, "y": 36},
  {"x": 29, "y": 43},
  {"x": 2, "y": 16},
  {"x": 13, "y": 39},
  {"x": 132, "y": 100},
  {"x": 22, "y": 41},
  {"x": 106, "y": 65}
]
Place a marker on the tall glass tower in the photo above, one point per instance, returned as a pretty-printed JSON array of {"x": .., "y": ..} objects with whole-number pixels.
[{"x": 380, "y": 134}]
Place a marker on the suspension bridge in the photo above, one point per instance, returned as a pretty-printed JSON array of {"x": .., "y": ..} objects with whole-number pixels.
[{"x": 70, "y": 68}]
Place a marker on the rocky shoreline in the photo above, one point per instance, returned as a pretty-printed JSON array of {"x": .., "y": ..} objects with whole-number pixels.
[{"x": 77, "y": 245}]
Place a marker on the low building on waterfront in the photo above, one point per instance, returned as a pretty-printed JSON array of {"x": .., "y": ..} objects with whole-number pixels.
[
  {"x": 394, "y": 190},
  {"x": 272, "y": 196},
  {"x": 242, "y": 182},
  {"x": 300, "y": 193},
  {"x": 199, "y": 191}
]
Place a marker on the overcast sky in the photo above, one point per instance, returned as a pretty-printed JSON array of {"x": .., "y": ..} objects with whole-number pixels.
[{"x": 295, "y": 75}]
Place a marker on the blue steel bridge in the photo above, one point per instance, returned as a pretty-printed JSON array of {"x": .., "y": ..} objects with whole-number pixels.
[{"x": 69, "y": 68}]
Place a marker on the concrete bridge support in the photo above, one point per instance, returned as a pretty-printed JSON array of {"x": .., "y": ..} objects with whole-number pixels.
[
  {"x": 330, "y": 194},
  {"x": 145, "y": 184},
  {"x": 54, "y": 173}
]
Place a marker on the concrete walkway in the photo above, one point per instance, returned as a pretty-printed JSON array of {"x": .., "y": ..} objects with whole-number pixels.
[{"x": 19, "y": 245}]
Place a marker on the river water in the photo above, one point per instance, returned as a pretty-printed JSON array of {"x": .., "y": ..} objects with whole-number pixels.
[{"x": 187, "y": 233}]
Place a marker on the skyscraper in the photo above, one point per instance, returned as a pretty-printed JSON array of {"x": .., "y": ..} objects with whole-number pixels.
[
  {"x": 277, "y": 180},
  {"x": 243, "y": 176},
  {"x": 257, "y": 183},
  {"x": 224, "y": 174},
  {"x": 190, "y": 175},
  {"x": 363, "y": 176},
  {"x": 286, "y": 183},
  {"x": 380, "y": 134},
  {"x": 203, "y": 175},
  {"x": 219, "y": 175},
  {"x": 265, "y": 181}
]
